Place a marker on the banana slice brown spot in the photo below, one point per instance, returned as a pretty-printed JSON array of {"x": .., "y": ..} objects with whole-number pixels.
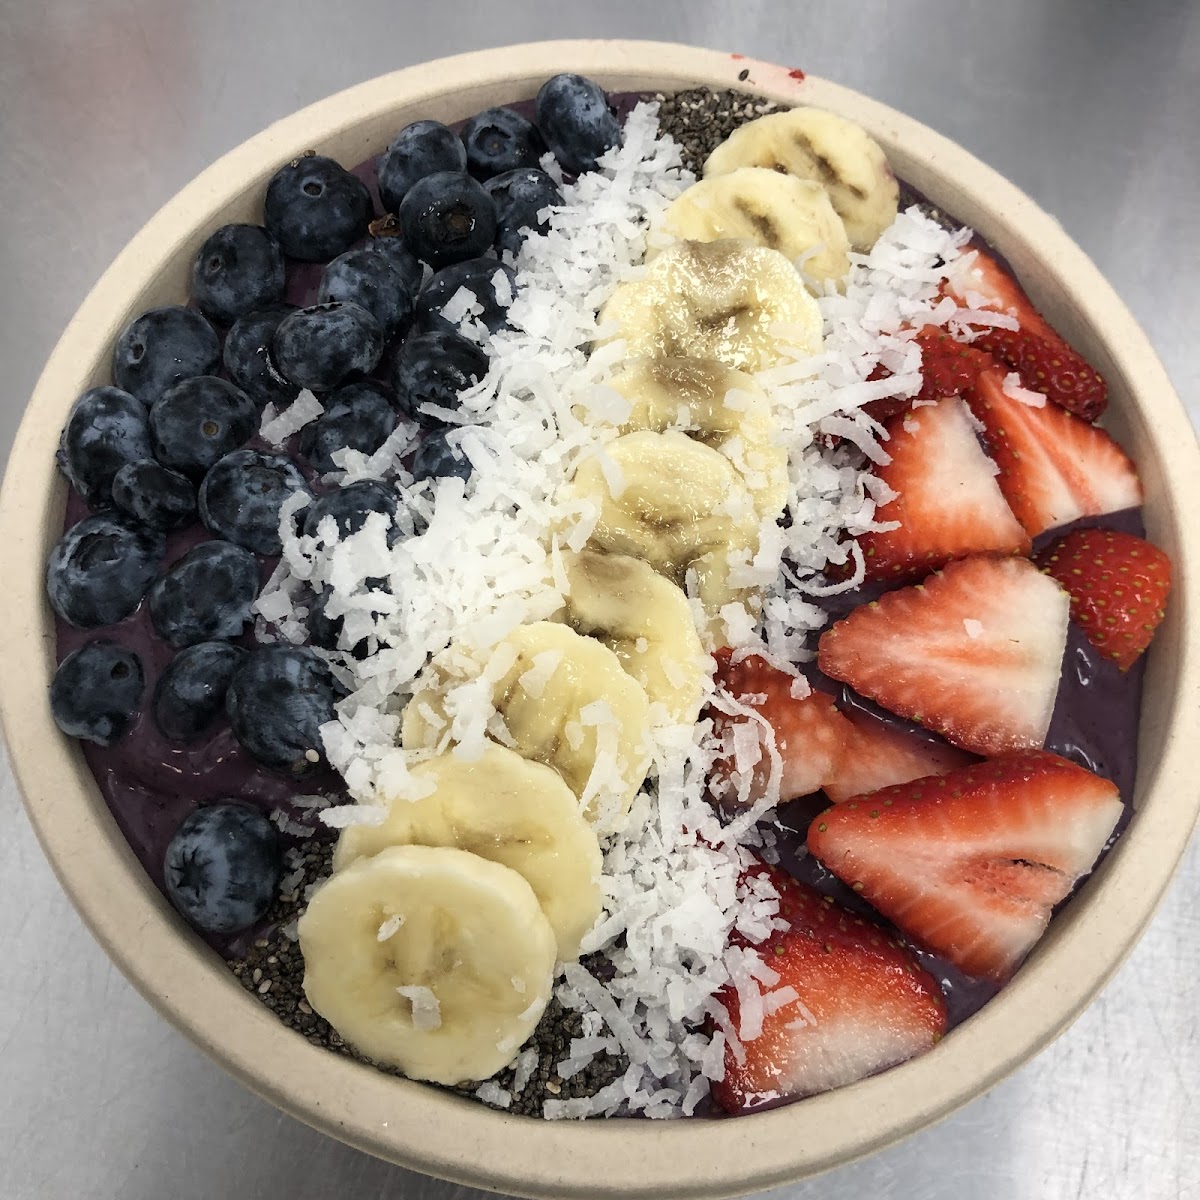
[
  {"x": 646, "y": 621},
  {"x": 827, "y": 149},
  {"x": 741, "y": 304},
  {"x": 714, "y": 404},
  {"x": 781, "y": 212},
  {"x": 682, "y": 507}
]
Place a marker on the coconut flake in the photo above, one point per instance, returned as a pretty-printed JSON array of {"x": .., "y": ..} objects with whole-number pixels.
[
  {"x": 276, "y": 429},
  {"x": 426, "y": 1011},
  {"x": 1013, "y": 388},
  {"x": 390, "y": 927},
  {"x": 492, "y": 1093}
]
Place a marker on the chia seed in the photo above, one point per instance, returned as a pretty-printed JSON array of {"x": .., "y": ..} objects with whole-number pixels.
[{"x": 700, "y": 119}]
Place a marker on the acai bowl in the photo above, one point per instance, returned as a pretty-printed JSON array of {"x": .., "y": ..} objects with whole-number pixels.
[{"x": 625, "y": 1152}]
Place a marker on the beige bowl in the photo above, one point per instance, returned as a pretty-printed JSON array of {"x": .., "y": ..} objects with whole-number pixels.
[{"x": 434, "y": 1131}]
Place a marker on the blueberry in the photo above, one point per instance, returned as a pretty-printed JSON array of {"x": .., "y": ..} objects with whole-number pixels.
[
  {"x": 96, "y": 692},
  {"x": 160, "y": 348},
  {"x": 436, "y": 458},
  {"x": 420, "y": 149},
  {"x": 248, "y": 356},
  {"x": 447, "y": 218},
  {"x": 279, "y": 698},
  {"x": 222, "y": 867},
  {"x": 519, "y": 196},
  {"x": 326, "y": 631},
  {"x": 316, "y": 209},
  {"x": 207, "y": 594},
  {"x": 392, "y": 247},
  {"x": 349, "y": 506},
  {"x": 154, "y": 495},
  {"x": 477, "y": 275},
  {"x": 100, "y": 569},
  {"x": 372, "y": 281},
  {"x": 574, "y": 117},
  {"x": 107, "y": 428},
  {"x": 199, "y": 421},
  {"x": 241, "y": 496},
  {"x": 499, "y": 140},
  {"x": 190, "y": 694},
  {"x": 238, "y": 269},
  {"x": 434, "y": 368},
  {"x": 319, "y": 347},
  {"x": 358, "y": 416}
]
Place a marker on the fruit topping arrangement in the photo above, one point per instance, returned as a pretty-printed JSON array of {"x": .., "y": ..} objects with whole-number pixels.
[{"x": 616, "y": 642}]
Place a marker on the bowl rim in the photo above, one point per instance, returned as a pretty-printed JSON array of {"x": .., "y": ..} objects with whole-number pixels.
[{"x": 432, "y": 1130}]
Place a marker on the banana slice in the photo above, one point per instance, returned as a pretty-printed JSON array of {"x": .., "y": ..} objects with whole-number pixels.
[
  {"x": 682, "y": 505},
  {"x": 646, "y": 621},
  {"x": 503, "y": 808},
  {"x": 565, "y": 701},
  {"x": 716, "y": 405},
  {"x": 429, "y": 959},
  {"x": 826, "y": 149},
  {"x": 782, "y": 212},
  {"x": 741, "y": 304}
]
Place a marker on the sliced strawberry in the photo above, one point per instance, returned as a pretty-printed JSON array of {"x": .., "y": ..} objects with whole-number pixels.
[
  {"x": 1054, "y": 468},
  {"x": 890, "y": 406},
  {"x": 981, "y": 282},
  {"x": 948, "y": 502},
  {"x": 973, "y": 653},
  {"x": 1051, "y": 368},
  {"x": 1036, "y": 351},
  {"x": 880, "y": 756},
  {"x": 1118, "y": 585},
  {"x": 948, "y": 368},
  {"x": 820, "y": 745},
  {"x": 854, "y": 1003},
  {"x": 971, "y": 864},
  {"x": 809, "y": 733}
]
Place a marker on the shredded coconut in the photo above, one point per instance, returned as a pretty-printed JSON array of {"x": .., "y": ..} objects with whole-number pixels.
[
  {"x": 1012, "y": 387},
  {"x": 276, "y": 429},
  {"x": 426, "y": 1012},
  {"x": 390, "y": 927}
]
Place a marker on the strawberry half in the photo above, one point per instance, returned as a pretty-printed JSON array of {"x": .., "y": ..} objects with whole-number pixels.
[
  {"x": 948, "y": 502},
  {"x": 1052, "y": 368},
  {"x": 973, "y": 653},
  {"x": 971, "y": 864},
  {"x": 810, "y": 733},
  {"x": 1118, "y": 586},
  {"x": 1054, "y": 468},
  {"x": 820, "y": 746},
  {"x": 879, "y": 756},
  {"x": 981, "y": 282},
  {"x": 855, "y": 1003},
  {"x": 1036, "y": 352},
  {"x": 948, "y": 368}
]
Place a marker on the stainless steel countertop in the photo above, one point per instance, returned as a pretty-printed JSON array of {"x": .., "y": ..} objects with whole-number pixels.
[{"x": 107, "y": 107}]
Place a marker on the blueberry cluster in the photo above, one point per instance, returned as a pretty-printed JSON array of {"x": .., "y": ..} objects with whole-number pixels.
[{"x": 166, "y": 447}]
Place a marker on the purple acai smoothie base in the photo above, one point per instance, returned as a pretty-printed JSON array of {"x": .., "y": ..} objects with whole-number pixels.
[{"x": 150, "y": 784}]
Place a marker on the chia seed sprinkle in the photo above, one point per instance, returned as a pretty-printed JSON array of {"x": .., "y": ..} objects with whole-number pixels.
[{"x": 700, "y": 119}]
